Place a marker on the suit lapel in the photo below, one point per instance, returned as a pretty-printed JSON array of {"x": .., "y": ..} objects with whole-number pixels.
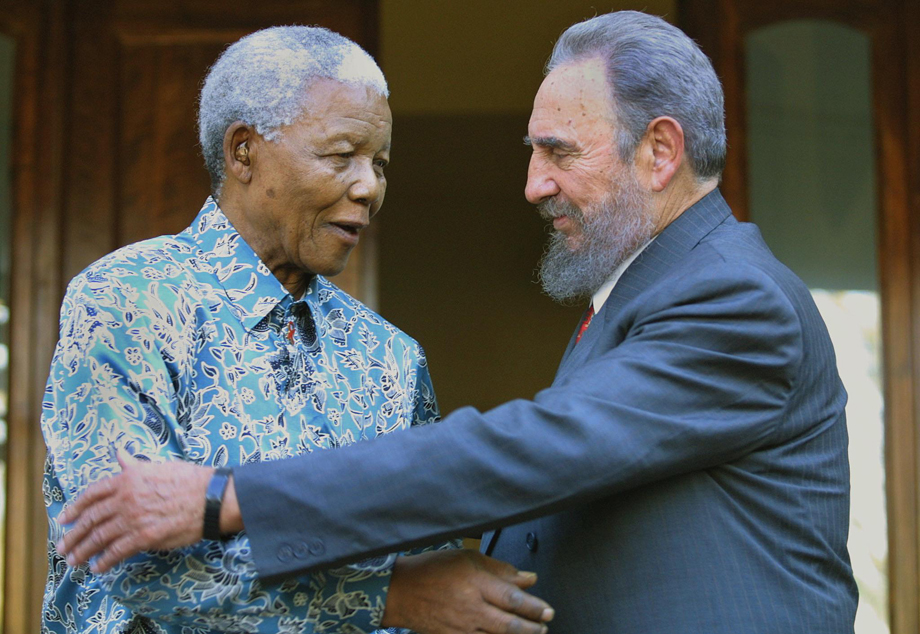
[
  {"x": 571, "y": 346},
  {"x": 671, "y": 246}
]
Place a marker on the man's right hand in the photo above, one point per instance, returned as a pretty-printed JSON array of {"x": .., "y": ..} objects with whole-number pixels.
[{"x": 462, "y": 592}]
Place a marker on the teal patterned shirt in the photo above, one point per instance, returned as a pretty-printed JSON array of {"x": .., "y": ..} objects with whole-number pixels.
[{"x": 187, "y": 347}]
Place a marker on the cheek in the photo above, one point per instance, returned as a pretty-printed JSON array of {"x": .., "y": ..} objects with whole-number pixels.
[
  {"x": 587, "y": 184},
  {"x": 383, "y": 190},
  {"x": 326, "y": 187}
]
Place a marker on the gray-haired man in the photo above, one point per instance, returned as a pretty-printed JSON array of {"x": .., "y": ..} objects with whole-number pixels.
[
  {"x": 224, "y": 345},
  {"x": 687, "y": 470}
]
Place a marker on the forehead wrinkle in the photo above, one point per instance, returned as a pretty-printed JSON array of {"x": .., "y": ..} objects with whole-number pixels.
[{"x": 352, "y": 130}]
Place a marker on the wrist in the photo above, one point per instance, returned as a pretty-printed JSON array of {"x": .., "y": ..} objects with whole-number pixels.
[
  {"x": 231, "y": 520},
  {"x": 214, "y": 496},
  {"x": 392, "y": 615}
]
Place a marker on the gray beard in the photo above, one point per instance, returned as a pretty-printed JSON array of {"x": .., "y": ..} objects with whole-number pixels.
[{"x": 611, "y": 231}]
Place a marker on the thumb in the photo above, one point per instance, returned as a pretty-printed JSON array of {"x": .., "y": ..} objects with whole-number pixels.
[{"x": 126, "y": 460}]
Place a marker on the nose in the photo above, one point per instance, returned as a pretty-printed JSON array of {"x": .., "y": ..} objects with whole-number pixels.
[
  {"x": 368, "y": 185},
  {"x": 540, "y": 184}
]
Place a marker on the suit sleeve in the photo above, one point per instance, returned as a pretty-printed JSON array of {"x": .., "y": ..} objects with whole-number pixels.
[{"x": 701, "y": 378}]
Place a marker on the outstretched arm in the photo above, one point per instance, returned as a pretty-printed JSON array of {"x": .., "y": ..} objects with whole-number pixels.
[
  {"x": 700, "y": 380},
  {"x": 150, "y": 506}
]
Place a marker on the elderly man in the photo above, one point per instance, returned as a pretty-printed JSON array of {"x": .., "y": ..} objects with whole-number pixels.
[
  {"x": 686, "y": 472},
  {"x": 224, "y": 345}
]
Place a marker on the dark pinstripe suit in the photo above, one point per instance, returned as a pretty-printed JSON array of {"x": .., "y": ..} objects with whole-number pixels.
[{"x": 686, "y": 472}]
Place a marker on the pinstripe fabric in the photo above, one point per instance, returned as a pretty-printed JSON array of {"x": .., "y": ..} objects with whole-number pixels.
[{"x": 685, "y": 473}]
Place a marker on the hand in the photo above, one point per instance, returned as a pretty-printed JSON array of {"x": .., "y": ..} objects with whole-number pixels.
[
  {"x": 460, "y": 592},
  {"x": 145, "y": 507}
]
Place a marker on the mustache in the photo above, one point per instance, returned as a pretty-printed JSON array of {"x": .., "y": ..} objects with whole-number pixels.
[{"x": 554, "y": 208}]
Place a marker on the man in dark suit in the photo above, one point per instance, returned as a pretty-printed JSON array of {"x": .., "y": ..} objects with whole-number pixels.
[{"x": 687, "y": 470}]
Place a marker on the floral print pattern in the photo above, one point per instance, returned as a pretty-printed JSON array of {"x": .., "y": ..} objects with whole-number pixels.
[{"x": 187, "y": 347}]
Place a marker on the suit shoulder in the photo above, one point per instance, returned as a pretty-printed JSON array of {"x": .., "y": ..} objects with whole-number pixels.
[
  {"x": 734, "y": 261},
  {"x": 742, "y": 248},
  {"x": 736, "y": 271}
]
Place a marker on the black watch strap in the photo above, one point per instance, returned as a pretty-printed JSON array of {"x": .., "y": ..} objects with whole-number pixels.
[{"x": 212, "y": 502}]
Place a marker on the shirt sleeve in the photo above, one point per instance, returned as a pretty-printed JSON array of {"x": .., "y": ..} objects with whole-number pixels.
[
  {"x": 112, "y": 387},
  {"x": 425, "y": 405},
  {"x": 425, "y": 411}
]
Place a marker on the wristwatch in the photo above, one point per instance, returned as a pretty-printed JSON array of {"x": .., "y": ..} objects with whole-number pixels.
[{"x": 212, "y": 501}]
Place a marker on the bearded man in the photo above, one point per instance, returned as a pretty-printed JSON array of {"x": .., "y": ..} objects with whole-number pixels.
[{"x": 686, "y": 472}]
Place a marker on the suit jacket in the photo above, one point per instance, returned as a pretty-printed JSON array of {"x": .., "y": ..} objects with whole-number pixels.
[{"x": 686, "y": 472}]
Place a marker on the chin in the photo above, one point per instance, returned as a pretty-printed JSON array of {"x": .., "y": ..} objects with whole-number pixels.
[
  {"x": 330, "y": 270},
  {"x": 573, "y": 243}
]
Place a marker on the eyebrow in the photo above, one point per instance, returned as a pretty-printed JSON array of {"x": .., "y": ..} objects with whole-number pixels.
[
  {"x": 554, "y": 143},
  {"x": 351, "y": 139}
]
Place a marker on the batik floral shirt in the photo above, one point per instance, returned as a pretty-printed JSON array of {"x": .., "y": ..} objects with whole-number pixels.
[{"x": 187, "y": 347}]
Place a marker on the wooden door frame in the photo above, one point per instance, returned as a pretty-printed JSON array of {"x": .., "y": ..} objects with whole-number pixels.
[
  {"x": 37, "y": 143},
  {"x": 719, "y": 27}
]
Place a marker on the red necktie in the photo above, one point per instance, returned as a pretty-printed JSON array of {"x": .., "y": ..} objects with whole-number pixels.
[{"x": 584, "y": 324}]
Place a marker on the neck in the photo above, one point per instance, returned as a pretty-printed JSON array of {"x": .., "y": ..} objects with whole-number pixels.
[
  {"x": 679, "y": 197},
  {"x": 294, "y": 280}
]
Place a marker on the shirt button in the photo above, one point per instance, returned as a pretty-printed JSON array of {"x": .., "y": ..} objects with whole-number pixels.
[
  {"x": 317, "y": 547},
  {"x": 532, "y": 542},
  {"x": 285, "y": 553}
]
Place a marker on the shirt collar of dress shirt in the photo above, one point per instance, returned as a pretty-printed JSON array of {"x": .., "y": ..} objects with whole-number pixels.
[
  {"x": 250, "y": 286},
  {"x": 601, "y": 295}
]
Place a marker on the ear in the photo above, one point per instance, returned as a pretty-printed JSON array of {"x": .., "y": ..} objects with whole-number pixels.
[
  {"x": 661, "y": 152},
  {"x": 238, "y": 151}
]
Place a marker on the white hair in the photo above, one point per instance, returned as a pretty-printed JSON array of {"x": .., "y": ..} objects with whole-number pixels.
[
  {"x": 261, "y": 80},
  {"x": 653, "y": 69}
]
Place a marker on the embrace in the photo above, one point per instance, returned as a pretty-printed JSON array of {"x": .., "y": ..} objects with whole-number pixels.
[{"x": 236, "y": 445}]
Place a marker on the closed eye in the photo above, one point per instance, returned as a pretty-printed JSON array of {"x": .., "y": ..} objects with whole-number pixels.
[{"x": 554, "y": 145}]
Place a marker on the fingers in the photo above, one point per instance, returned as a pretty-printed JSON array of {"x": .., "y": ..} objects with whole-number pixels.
[
  {"x": 118, "y": 550},
  {"x": 85, "y": 539},
  {"x": 520, "y": 578},
  {"x": 523, "y": 579},
  {"x": 95, "y": 492},
  {"x": 507, "y": 590},
  {"x": 516, "y": 602},
  {"x": 126, "y": 460},
  {"x": 95, "y": 541},
  {"x": 500, "y": 622},
  {"x": 449, "y": 592}
]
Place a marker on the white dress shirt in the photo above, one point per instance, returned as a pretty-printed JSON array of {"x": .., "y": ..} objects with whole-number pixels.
[{"x": 601, "y": 295}]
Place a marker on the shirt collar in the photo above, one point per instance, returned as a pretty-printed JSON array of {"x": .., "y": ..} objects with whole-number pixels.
[
  {"x": 250, "y": 287},
  {"x": 601, "y": 295}
]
